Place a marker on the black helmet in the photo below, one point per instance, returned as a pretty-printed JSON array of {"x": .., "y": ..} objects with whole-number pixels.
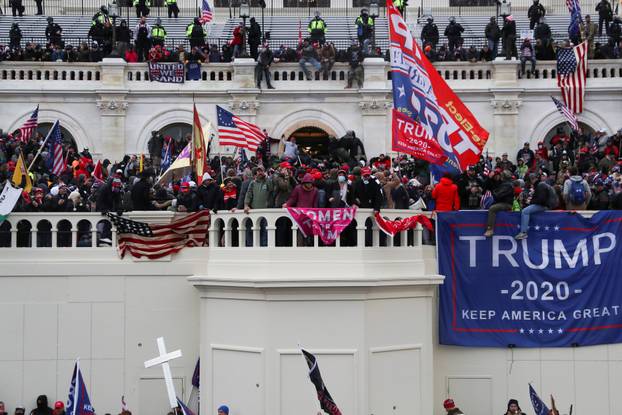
[
  {"x": 197, "y": 21},
  {"x": 50, "y": 19},
  {"x": 103, "y": 9}
]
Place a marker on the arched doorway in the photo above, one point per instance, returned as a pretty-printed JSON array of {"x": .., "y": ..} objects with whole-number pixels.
[
  {"x": 312, "y": 140},
  {"x": 565, "y": 128},
  {"x": 179, "y": 131},
  {"x": 68, "y": 140}
]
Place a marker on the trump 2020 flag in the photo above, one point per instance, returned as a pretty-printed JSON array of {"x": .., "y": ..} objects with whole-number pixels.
[
  {"x": 78, "y": 402},
  {"x": 326, "y": 401},
  {"x": 538, "y": 406},
  {"x": 420, "y": 93}
]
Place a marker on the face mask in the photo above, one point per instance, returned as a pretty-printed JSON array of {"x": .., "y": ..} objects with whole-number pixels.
[
  {"x": 341, "y": 179},
  {"x": 365, "y": 181}
]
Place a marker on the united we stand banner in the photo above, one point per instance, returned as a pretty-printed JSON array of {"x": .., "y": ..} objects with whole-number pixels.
[
  {"x": 170, "y": 73},
  {"x": 327, "y": 223},
  {"x": 422, "y": 95},
  {"x": 559, "y": 287}
]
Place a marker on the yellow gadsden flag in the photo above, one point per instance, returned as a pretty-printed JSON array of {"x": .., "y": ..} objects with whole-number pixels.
[{"x": 20, "y": 174}]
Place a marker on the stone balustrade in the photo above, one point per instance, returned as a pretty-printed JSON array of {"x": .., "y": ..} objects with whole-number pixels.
[{"x": 264, "y": 228}]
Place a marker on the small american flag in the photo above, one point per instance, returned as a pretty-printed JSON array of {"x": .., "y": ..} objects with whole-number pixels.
[
  {"x": 26, "y": 130},
  {"x": 572, "y": 75},
  {"x": 156, "y": 241},
  {"x": 569, "y": 115},
  {"x": 206, "y": 12},
  {"x": 232, "y": 131},
  {"x": 56, "y": 162}
]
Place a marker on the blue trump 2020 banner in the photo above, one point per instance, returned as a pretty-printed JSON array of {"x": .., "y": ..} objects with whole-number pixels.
[{"x": 562, "y": 286}]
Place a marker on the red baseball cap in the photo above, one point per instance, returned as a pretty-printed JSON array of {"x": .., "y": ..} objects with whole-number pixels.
[
  {"x": 365, "y": 171},
  {"x": 449, "y": 404},
  {"x": 59, "y": 405}
]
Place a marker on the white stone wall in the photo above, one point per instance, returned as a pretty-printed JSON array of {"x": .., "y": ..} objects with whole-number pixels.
[{"x": 114, "y": 116}]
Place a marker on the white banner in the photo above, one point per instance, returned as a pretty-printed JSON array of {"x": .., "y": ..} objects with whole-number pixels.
[{"x": 8, "y": 198}]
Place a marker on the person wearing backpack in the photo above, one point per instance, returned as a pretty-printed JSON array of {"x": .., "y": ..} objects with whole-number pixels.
[
  {"x": 544, "y": 198},
  {"x": 504, "y": 198},
  {"x": 576, "y": 192}
]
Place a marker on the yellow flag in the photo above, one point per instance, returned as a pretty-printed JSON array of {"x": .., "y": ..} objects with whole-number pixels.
[
  {"x": 21, "y": 172},
  {"x": 141, "y": 164}
]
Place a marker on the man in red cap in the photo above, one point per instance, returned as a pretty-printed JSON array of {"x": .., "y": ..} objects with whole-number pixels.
[
  {"x": 59, "y": 408},
  {"x": 451, "y": 408}
]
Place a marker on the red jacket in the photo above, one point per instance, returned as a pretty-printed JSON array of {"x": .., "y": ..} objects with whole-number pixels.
[{"x": 445, "y": 194}]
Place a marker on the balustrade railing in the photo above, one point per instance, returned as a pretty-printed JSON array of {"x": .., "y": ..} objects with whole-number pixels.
[{"x": 261, "y": 228}]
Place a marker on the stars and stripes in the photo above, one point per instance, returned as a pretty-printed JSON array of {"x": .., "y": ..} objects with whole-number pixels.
[
  {"x": 156, "y": 241},
  {"x": 233, "y": 131},
  {"x": 572, "y": 75},
  {"x": 56, "y": 161},
  {"x": 567, "y": 114},
  {"x": 29, "y": 127},
  {"x": 206, "y": 12}
]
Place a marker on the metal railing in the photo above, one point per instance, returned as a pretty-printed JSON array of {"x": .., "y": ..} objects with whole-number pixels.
[{"x": 488, "y": 7}]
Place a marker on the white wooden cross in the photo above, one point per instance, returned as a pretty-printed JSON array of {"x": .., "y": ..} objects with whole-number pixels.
[{"x": 163, "y": 360}]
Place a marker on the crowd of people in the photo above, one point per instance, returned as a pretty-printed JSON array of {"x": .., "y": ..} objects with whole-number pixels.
[
  {"x": 539, "y": 45},
  {"x": 343, "y": 177}
]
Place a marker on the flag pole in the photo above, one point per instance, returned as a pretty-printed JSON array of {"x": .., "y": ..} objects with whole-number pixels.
[{"x": 42, "y": 145}]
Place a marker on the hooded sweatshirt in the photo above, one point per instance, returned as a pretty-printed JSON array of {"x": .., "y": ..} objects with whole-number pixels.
[{"x": 42, "y": 406}]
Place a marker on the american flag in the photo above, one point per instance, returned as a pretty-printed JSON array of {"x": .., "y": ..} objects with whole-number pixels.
[
  {"x": 56, "y": 161},
  {"x": 26, "y": 130},
  {"x": 573, "y": 6},
  {"x": 206, "y": 12},
  {"x": 232, "y": 131},
  {"x": 569, "y": 115},
  {"x": 572, "y": 75},
  {"x": 156, "y": 241},
  {"x": 184, "y": 409}
]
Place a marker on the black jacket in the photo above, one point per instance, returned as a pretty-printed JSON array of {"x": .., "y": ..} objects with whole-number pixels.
[
  {"x": 367, "y": 195},
  {"x": 454, "y": 30},
  {"x": 492, "y": 31},
  {"x": 536, "y": 11},
  {"x": 141, "y": 199},
  {"x": 210, "y": 197},
  {"x": 429, "y": 33},
  {"x": 504, "y": 193}
]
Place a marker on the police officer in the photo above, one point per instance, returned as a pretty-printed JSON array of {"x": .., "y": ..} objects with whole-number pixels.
[
  {"x": 317, "y": 29},
  {"x": 53, "y": 33},
  {"x": 535, "y": 13},
  {"x": 100, "y": 17},
  {"x": 399, "y": 5},
  {"x": 15, "y": 36},
  {"x": 453, "y": 32},
  {"x": 173, "y": 9},
  {"x": 142, "y": 7},
  {"x": 158, "y": 33},
  {"x": 364, "y": 27},
  {"x": 195, "y": 33},
  {"x": 17, "y": 8},
  {"x": 429, "y": 33}
]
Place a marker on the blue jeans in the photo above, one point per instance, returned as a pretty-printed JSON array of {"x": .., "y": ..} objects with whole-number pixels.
[
  {"x": 526, "y": 213},
  {"x": 493, "y": 45},
  {"x": 303, "y": 61}
]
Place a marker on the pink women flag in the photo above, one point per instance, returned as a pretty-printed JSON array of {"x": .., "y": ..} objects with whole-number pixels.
[{"x": 327, "y": 223}]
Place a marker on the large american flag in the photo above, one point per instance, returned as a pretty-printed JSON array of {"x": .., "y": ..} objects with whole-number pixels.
[
  {"x": 572, "y": 75},
  {"x": 206, "y": 12},
  {"x": 232, "y": 131},
  {"x": 573, "y": 6},
  {"x": 26, "y": 130},
  {"x": 140, "y": 239},
  {"x": 567, "y": 114},
  {"x": 56, "y": 161}
]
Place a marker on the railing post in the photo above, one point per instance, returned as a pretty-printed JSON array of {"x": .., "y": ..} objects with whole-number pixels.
[
  {"x": 271, "y": 235},
  {"x": 417, "y": 235},
  {"x": 14, "y": 235},
  {"x": 227, "y": 231},
  {"x": 33, "y": 237},
  {"x": 54, "y": 236},
  {"x": 74, "y": 236}
]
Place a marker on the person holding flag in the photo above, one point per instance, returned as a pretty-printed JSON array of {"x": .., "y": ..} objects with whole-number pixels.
[{"x": 514, "y": 408}]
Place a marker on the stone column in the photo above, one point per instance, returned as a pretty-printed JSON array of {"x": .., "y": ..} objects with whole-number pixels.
[
  {"x": 244, "y": 73},
  {"x": 505, "y": 103},
  {"x": 375, "y": 105},
  {"x": 112, "y": 103}
]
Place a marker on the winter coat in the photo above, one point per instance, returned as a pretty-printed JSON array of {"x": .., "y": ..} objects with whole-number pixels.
[
  {"x": 303, "y": 198},
  {"x": 445, "y": 194}
]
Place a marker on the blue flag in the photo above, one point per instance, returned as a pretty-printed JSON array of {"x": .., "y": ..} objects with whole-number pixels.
[
  {"x": 538, "y": 406},
  {"x": 184, "y": 409},
  {"x": 575, "y": 18},
  {"x": 78, "y": 402}
]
